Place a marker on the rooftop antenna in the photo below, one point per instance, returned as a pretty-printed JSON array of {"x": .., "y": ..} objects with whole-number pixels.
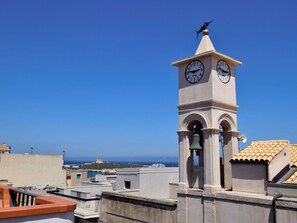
[
  {"x": 203, "y": 27},
  {"x": 63, "y": 155}
]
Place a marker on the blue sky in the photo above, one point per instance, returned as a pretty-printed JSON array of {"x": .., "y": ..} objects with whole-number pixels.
[{"x": 94, "y": 78}]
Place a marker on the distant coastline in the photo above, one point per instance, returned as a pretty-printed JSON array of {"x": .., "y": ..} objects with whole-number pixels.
[{"x": 142, "y": 163}]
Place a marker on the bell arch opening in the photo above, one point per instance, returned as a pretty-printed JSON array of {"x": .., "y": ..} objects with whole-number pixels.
[
  {"x": 196, "y": 159},
  {"x": 196, "y": 142},
  {"x": 225, "y": 153},
  {"x": 193, "y": 118}
]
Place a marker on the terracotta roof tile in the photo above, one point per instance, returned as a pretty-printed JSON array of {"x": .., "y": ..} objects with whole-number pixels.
[
  {"x": 292, "y": 179},
  {"x": 293, "y": 152},
  {"x": 4, "y": 148},
  {"x": 261, "y": 151}
]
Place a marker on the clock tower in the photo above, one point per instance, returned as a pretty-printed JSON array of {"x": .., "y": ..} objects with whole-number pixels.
[{"x": 207, "y": 116}]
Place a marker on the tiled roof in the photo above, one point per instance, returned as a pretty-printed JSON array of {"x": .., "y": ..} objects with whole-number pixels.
[
  {"x": 4, "y": 148},
  {"x": 292, "y": 179},
  {"x": 293, "y": 152},
  {"x": 261, "y": 151}
]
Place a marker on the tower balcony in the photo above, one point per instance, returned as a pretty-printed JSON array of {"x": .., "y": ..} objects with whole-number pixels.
[{"x": 18, "y": 206}]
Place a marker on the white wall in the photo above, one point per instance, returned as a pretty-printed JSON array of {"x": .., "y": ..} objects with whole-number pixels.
[
  {"x": 278, "y": 163},
  {"x": 128, "y": 174},
  {"x": 32, "y": 169},
  {"x": 154, "y": 182}
]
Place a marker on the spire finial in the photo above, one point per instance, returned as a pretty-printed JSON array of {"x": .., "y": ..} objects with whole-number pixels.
[{"x": 205, "y": 32}]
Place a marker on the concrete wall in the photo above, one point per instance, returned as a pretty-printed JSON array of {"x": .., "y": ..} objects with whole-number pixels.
[
  {"x": 109, "y": 178},
  {"x": 154, "y": 182},
  {"x": 173, "y": 191},
  {"x": 128, "y": 174},
  {"x": 278, "y": 163},
  {"x": 244, "y": 209},
  {"x": 256, "y": 208},
  {"x": 92, "y": 190},
  {"x": 88, "y": 204},
  {"x": 83, "y": 195},
  {"x": 196, "y": 205},
  {"x": 190, "y": 206},
  {"x": 286, "y": 212},
  {"x": 32, "y": 169},
  {"x": 287, "y": 190},
  {"x": 75, "y": 179},
  {"x": 233, "y": 207},
  {"x": 249, "y": 177},
  {"x": 116, "y": 207}
]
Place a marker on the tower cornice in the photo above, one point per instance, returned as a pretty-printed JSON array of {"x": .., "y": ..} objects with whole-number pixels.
[
  {"x": 208, "y": 104},
  {"x": 214, "y": 53}
]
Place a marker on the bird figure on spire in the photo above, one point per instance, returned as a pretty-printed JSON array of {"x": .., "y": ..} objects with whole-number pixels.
[{"x": 203, "y": 27}]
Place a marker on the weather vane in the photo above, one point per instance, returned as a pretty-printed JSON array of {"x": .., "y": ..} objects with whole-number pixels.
[{"x": 203, "y": 27}]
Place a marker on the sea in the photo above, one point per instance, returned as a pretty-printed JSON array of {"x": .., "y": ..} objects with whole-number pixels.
[{"x": 144, "y": 163}]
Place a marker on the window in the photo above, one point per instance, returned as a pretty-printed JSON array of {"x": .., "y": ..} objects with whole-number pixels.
[
  {"x": 127, "y": 185},
  {"x": 78, "y": 176}
]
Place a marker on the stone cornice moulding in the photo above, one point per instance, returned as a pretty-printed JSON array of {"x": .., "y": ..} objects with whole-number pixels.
[
  {"x": 208, "y": 104},
  {"x": 211, "y": 131},
  {"x": 232, "y": 133},
  {"x": 183, "y": 132},
  {"x": 205, "y": 54}
]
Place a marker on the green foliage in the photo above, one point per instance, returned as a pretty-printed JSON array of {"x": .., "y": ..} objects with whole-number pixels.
[{"x": 101, "y": 166}]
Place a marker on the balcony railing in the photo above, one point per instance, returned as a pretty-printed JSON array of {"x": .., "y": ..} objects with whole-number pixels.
[
  {"x": 21, "y": 198},
  {"x": 16, "y": 204}
]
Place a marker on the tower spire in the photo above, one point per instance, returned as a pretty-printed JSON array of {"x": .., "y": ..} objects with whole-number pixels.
[{"x": 205, "y": 44}]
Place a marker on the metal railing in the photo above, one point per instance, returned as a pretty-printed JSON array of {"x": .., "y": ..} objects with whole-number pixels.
[{"x": 21, "y": 198}]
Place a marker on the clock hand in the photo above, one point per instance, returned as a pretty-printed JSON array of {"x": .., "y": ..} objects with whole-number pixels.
[
  {"x": 223, "y": 70},
  {"x": 194, "y": 71}
]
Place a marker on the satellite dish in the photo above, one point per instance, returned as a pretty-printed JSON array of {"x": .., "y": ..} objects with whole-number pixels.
[{"x": 242, "y": 138}]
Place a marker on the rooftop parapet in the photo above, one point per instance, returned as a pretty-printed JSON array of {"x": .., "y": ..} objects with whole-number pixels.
[{"x": 17, "y": 204}]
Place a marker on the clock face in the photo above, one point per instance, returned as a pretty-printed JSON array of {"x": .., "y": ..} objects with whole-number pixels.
[
  {"x": 224, "y": 72},
  {"x": 194, "y": 71}
]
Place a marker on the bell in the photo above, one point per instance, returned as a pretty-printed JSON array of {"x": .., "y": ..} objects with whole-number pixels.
[{"x": 196, "y": 143}]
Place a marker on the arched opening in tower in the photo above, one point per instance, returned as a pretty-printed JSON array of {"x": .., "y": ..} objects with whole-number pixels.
[
  {"x": 224, "y": 138},
  {"x": 196, "y": 159}
]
